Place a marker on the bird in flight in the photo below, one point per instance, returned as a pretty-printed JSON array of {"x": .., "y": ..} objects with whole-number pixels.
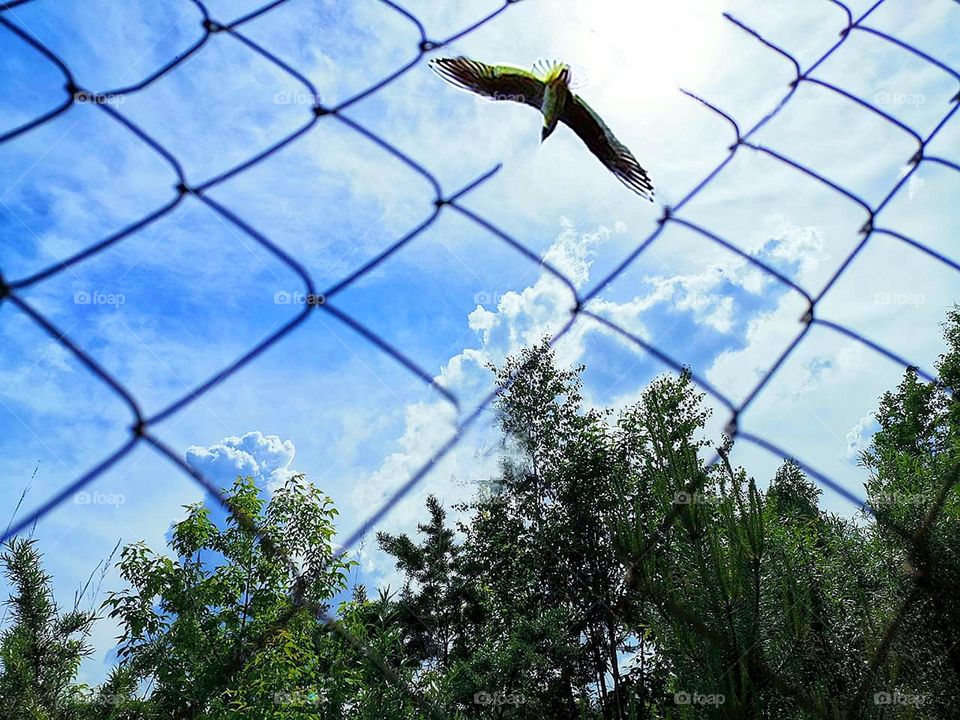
[{"x": 548, "y": 90}]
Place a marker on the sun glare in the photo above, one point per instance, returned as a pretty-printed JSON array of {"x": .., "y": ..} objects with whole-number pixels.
[{"x": 663, "y": 45}]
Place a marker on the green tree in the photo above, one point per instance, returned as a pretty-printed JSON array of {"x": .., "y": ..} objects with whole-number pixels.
[
  {"x": 374, "y": 675},
  {"x": 438, "y": 607},
  {"x": 913, "y": 462},
  {"x": 609, "y": 571},
  {"x": 41, "y": 650},
  {"x": 612, "y": 570},
  {"x": 228, "y": 625}
]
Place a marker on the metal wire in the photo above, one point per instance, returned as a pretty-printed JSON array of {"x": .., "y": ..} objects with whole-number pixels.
[{"x": 141, "y": 424}]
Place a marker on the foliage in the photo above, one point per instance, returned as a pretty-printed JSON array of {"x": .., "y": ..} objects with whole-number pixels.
[
  {"x": 619, "y": 566},
  {"x": 41, "y": 650},
  {"x": 228, "y": 625}
]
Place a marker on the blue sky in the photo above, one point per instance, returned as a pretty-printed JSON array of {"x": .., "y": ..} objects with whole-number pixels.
[{"x": 176, "y": 302}]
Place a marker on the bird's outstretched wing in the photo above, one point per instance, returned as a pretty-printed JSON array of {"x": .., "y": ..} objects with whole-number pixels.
[
  {"x": 497, "y": 82},
  {"x": 581, "y": 118}
]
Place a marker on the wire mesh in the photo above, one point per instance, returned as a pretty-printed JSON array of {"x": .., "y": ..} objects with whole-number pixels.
[{"x": 141, "y": 424}]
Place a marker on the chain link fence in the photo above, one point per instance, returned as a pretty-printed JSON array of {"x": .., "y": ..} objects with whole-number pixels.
[{"x": 741, "y": 140}]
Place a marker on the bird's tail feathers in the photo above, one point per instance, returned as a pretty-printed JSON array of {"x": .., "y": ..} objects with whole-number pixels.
[
  {"x": 543, "y": 67},
  {"x": 549, "y": 69},
  {"x": 579, "y": 77}
]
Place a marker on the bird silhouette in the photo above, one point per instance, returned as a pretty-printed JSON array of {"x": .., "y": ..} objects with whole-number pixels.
[{"x": 547, "y": 88}]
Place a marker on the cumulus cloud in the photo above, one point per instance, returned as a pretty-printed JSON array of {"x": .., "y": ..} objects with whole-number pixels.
[
  {"x": 522, "y": 318},
  {"x": 801, "y": 247},
  {"x": 266, "y": 458},
  {"x": 861, "y": 435},
  {"x": 695, "y": 293}
]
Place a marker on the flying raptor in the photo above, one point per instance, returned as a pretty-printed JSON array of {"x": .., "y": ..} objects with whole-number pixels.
[{"x": 548, "y": 90}]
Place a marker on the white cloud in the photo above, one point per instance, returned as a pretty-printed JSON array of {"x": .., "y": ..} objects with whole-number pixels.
[
  {"x": 737, "y": 371},
  {"x": 860, "y": 435},
  {"x": 265, "y": 457},
  {"x": 800, "y": 246},
  {"x": 522, "y": 318},
  {"x": 820, "y": 386},
  {"x": 693, "y": 293}
]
